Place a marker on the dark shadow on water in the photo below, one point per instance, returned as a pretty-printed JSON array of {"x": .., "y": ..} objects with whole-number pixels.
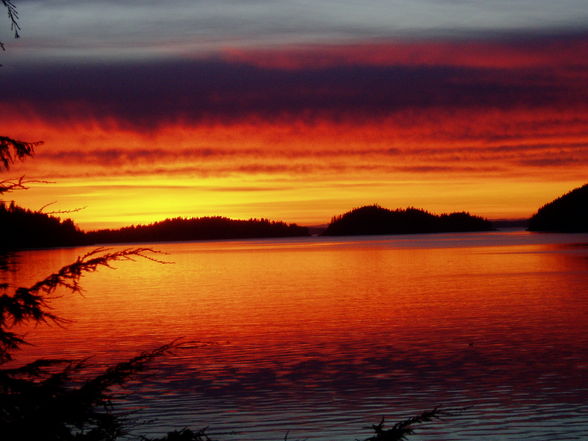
[{"x": 8, "y": 261}]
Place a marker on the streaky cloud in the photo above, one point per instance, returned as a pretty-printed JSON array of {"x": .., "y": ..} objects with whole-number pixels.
[{"x": 144, "y": 96}]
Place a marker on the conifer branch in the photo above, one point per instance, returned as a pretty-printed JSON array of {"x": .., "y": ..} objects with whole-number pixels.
[
  {"x": 54, "y": 212},
  {"x": 32, "y": 304},
  {"x": 69, "y": 276},
  {"x": 21, "y": 183},
  {"x": 12, "y": 149},
  {"x": 12, "y": 16},
  {"x": 403, "y": 428}
]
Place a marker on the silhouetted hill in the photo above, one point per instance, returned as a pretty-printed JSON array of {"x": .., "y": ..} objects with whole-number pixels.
[
  {"x": 22, "y": 228},
  {"x": 373, "y": 219},
  {"x": 204, "y": 228},
  {"x": 567, "y": 214}
]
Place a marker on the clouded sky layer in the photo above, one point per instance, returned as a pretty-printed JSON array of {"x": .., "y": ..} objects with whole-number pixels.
[
  {"x": 297, "y": 110},
  {"x": 125, "y": 28}
]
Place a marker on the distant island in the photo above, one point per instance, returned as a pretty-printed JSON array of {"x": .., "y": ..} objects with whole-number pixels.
[
  {"x": 566, "y": 214},
  {"x": 201, "y": 228},
  {"x": 373, "y": 219}
]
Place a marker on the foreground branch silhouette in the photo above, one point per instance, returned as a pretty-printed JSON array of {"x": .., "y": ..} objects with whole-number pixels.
[
  {"x": 401, "y": 430},
  {"x": 10, "y": 151},
  {"x": 13, "y": 149},
  {"x": 13, "y": 18},
  {"x": 32, "y": 304},
  {"x": 51, "y": 399}
]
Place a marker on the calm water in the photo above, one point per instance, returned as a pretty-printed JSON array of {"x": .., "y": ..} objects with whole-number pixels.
[{"x": 321, "y": 337}]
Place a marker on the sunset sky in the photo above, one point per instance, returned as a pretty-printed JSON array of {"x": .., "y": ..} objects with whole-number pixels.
[{"x": 296, "y": 110}]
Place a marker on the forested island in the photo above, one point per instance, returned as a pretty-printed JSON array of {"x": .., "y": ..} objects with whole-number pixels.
[
  {"x": 566, "y": 214},
  {"x": 202, "y": 228},
  {"x": 373, "y": 219}
]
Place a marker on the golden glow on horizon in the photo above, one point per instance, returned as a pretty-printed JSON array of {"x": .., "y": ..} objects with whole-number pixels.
[
  {"x": 135, "y": 202},
  {"x": 305, "y": 173}
]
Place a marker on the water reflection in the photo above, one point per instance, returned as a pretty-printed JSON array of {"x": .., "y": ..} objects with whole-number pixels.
[
  {"x": 322, "y": 337},
  {"x": 7, "y": 262}
]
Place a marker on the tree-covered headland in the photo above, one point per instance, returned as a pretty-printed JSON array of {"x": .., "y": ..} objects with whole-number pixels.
[{"x": 566, "y": 214}]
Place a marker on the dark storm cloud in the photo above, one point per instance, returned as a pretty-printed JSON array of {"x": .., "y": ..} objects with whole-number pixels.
[{"x": 144, "y": 95}]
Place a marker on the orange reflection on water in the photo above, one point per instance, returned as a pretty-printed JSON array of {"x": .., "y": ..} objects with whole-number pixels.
[
  {"x": 320, "y": 291},
  {"x": 487, "y": 320}
]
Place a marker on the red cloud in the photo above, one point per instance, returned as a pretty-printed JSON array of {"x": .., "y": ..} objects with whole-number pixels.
[{"x": 496, "y": 54}]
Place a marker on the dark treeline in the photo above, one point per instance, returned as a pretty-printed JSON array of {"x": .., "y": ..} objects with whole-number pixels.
[
  {"x": 203, "y": 228},
  {"x": 566, "y": 214},
  {"x": 373, "y": 219},
  {"x": 30, "y": 229},
  {"x": 22, "y": 228}
]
